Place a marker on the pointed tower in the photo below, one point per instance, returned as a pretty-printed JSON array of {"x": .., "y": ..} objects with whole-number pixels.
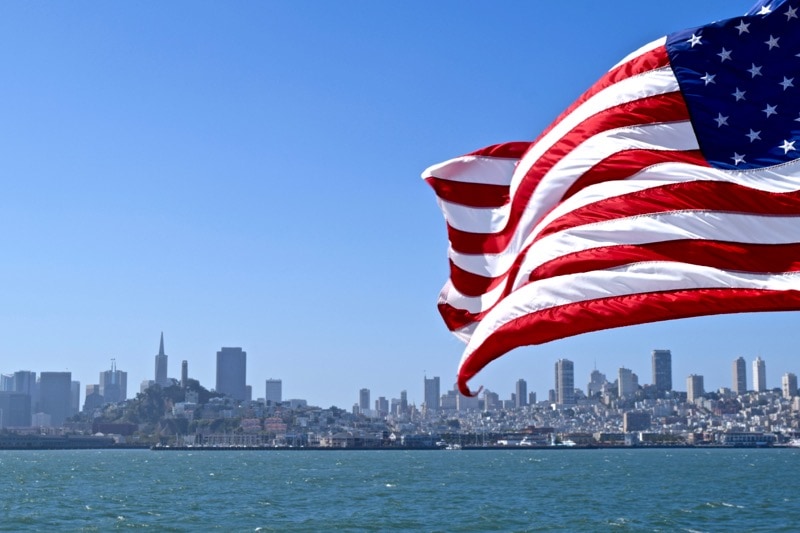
[{"x": 161, "y": 365}]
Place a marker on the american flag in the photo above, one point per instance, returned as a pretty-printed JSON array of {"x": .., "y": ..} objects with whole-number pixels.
[{"x": 669, "y": 189}]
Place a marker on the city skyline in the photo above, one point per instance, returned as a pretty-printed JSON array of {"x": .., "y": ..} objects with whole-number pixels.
[{"x": 215, "y": 173}]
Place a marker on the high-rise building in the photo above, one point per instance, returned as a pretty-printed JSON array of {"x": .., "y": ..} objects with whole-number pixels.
[
  {"x": 759, "y": 375},
  {"x": 403, "y": 401},
  {"x": 694, "y": 387},
  {"x": 596, "y": 381},
  {"x": 184, "y": 373},
  {"x": 274, "y": 391},
  {"x": 92, "y": 398},
  {"x": 55, "y": 396},
  {"x": 522, "y": 393},
  {"x": 363, "y": 400},
  {"x": 625, "y": 383},
  {"x": 232, "y": 373},
  {"x": 161, "y": 365},
  {"x": 15, "y": 409},
  {"x": 382, "y": 406},
  {"x": 565, "y": 382},
  {"x": 75, "y": 398},
  {"x": 662, "y": 370},
  {"x": 739, "y": 376},
  {"x": 789, "y": 385},
  {"x": 114, "y": 384},
  {"x": 6, "y": 383},
  {"x": 25, "y": 382},
  {"x": 432, "y": 394}
]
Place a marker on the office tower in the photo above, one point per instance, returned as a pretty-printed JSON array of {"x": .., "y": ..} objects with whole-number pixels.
[
  {"x": 531, "y": 398},
  {"x": 184, "y": 373},
  {"x": 55, "y": 396},
  {"x": 25, "y": 382},
  {"x": 694, "y": 388},
  {"x": 662, "y": 370},
  {"x": 565, "y": 382},
  {"x": 114, "y": 384},
  {"x": 739, "y": 376},
  {"x": 432, "y": 396},
  {"x": 596, "y": 381},
  {"x": 363, "y": 400},
  {"x": 274, "y": 391},
  {"x": 6, "y": 382},
  {"x": 382, "y": 406},
  {"x": 15, "y": 409},
  {"x": 466, "y": 403},
  {"x": 625, "y": 383},
  {"x": 92, "y": 398},
  {"x": 759, "y": 375},
  {"x": 789, "y": 385},
  {"x": 161, "y": 365},
  {"x": 522, "y": 393},
  {"x": 403, "y": 401},
  {"x": 232, "y": 373},
  {"x": 75, "y": 398}
]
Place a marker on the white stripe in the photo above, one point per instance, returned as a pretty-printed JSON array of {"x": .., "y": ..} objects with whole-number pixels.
[
  {"x": 641, "y": 51},
  {"x": 564, "y": 174},
  {"x": 639, "y": 278},
  {"x": 474, "y": 169},
  {"x": 661, "y": 81}
]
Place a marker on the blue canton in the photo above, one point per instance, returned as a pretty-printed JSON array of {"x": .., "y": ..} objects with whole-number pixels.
[{"x": 741, "y": 82}]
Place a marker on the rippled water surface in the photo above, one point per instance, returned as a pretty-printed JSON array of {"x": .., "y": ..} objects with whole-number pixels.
[{"x": 486, "y": 490}]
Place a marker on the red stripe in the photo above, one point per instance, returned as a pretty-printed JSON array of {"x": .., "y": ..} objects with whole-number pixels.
[
  {"x": 617, "y": 311},
  {"x": 762, "y": 258},
  {"x": 477, "y": 195},
  {"x": 509, "y": 150},
  {"x": 625, "y": 164},
  {"x": 470, "y": 284},
  {"x": 656, "y": 109}
]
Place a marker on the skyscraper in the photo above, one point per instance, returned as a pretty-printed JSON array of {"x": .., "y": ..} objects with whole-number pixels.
[
  {"x": 789, "y": 385},
  {"x": 274, "y": 391},
  {"x": 565, "y": 382},
  {"x": 161, "y": 365},
  {"x": 432, "y": 395},
  {"x": 232, "y": 373},
  {"x": 662, "y": 370},
  {"x": 694, "y": 388},
  {"x": 363, "y": 400},
  {"x": 596, "y": 381},
  {"x": 739, "y": 376},
  {"x": 55, "y": 396},
  {"x": 625, "y": 383},
  {"x": 114, "y": 384},
  {"x": 522, "y": 393},
  {"x": 759, "y": 375}
]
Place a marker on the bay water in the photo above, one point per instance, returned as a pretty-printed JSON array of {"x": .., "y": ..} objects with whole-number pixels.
[{"x": 461, "y": 490}]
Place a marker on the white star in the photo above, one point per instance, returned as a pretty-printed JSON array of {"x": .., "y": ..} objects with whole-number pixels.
[
  {"x": 694, "y": 40},
  {"x": 787, "y": 146},
  {"x": 754, "y": 71},
  {"x": 754, "y": 135},
  {"x": 791, "y": 13},
  {"x": 765, "y": 10},
  {"x": 708, "y": 78},
  {"x": 721, "y": 120},
  {"x": 725, "y": 54},
  {"x": 737, "y": 158},
  {"x": 787, "y": 82},
  {"x": 770, "y": 110},
  {"x": 743, "y": 28},
  {"x": 739, "y": 95},
  {"x": 773, "y": 42}
]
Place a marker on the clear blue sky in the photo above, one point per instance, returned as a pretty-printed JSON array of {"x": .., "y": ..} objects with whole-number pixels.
[{"x": 247, "y": 174}]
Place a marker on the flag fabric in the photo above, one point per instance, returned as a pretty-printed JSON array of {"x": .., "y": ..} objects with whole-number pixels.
[{"x": 669, "y": 189}]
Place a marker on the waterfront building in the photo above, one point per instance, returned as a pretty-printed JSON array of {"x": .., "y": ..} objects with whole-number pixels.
[
  {"x": 759, "y": 375},
  {"x": 625, "y": 383},
  {"x": 363, "y": 400},
  {"x": 739, "y": 376},
  {"x": 15, "y": 409},
  {"x": 161, "y": 365},
  {"x": 113, "y": 384},
  {"x": 789, "y": 385},
  {"x": 635, "y": 421},
  {"x": 522, "y": 393},
  {"x": 662, "y": 370},
  {"x": 565, "y": 382},
  {"x": 55, "y": 396},
  {"x": 694, "y": 388},
  {"x": 232, "y": 373},
  {"x": 432, "y": 394},
  {"x": 274, "y": 391}
]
